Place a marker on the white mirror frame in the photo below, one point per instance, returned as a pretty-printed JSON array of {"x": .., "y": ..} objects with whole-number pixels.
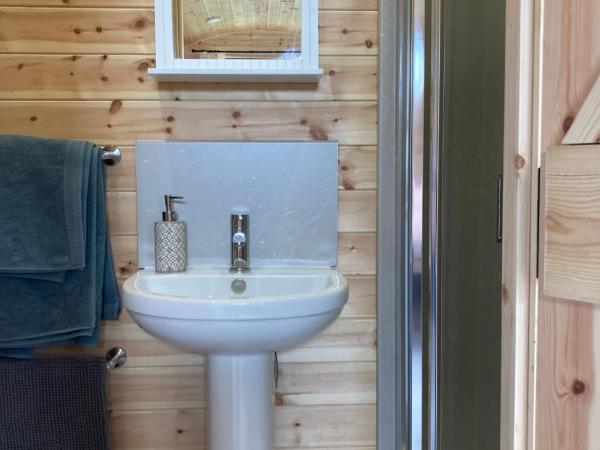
[{"x": 302, "y": 69}]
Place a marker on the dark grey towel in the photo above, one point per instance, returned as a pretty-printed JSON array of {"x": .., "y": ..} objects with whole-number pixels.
[{"x": 53, "y": 404}]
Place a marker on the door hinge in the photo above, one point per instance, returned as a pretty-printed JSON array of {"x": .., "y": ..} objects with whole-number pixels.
[{"x": 499, "y": 200}]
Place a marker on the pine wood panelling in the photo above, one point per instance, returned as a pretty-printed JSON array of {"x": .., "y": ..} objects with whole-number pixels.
[
  {"x": 566, "y": 365},
  {"x": 80, "y": 3},
  {"x": 345, "y": 340},
  {"x": 77, "y": 69},
  {"x": 356, "y": 253},
  {"x": 123, "y": 122},
  {"x": 52, "y": 30},
  {"x": 362, "y": 299},
  {"x": 87, "y": 77},
  {"x": 315, "y": 427},
  {"x": 356, "y": 212},
  {"x": 357, "y": 169},
  {"x": 586, "y": 127},
  {"x": 358, "y": 32},
  {"x": 121, "y": 177},
  {"x": 517, "y": 278},
  {"x": 177, "y": 387},
  {"x": 367, "y": 5},
  {"x": 118, "y": 31},
  {"x": 570, "y": 216}
]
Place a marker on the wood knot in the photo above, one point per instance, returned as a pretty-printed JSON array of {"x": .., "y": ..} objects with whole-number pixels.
[
  {"x": 297, "y": 424},
  {"x": 170, "y": 119},
  {"x": 369, "y": 43},
  {"x": 303, "y": 122},
  {"x": 345, "y": 31},
  {"x": 74, "y": 58},
  {"x": 140, "y": 22},
  {"x": 169, "y": 130},
  {"x": 20, "y": 66},
  {"x": 143, "y": 67},
  {"x": 115, "y": 106},
  {"x": 104, "y": 78},
  {"x": 98, "y": 29},
  {"x": 567, "y": 123},
  {"x": 279, "y": 399},
  {"x": 33, "y": 118},
  {"x": 180, "y": 431},
  {"x": 77, "y": 31},
  {"x": 519, "y": 162},
  {"x": 236, "y": 114},
  {"x": 504, "y": 294},
  {"x": 104, "y": 57},
  {"x": 141, "y": 79},
  {"x": 317, "y": 133},
  {"x": 331, "y": 72},
  {"x": 347, "y": 184},
  {"x": 578, "y": 387}
]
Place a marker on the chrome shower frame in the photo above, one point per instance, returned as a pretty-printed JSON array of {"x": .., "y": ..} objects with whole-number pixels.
[{"x": 407, "y": 290}]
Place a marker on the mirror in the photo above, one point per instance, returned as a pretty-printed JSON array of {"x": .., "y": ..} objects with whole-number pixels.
[
  {"x": 238, "y": 29},
  {"x": 237, "y": 41}
]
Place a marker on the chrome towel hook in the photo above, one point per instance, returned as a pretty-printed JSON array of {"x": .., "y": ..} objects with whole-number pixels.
[
  {"x": 111, "y": 155},
  {"x": 116, "y": 357}
]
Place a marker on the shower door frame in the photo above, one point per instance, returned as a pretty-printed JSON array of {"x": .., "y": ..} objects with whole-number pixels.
[{"x": 407, "y": 198}]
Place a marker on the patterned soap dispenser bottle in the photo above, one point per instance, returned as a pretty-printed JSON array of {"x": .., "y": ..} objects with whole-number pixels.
[{"x": 170, "y": 240}]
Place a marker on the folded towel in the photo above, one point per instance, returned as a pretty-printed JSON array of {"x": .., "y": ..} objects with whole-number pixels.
[
  {"x": 64, "y": 307},
  {"x": 42, "y": 204},
  {"x": 53, "y": 404}
]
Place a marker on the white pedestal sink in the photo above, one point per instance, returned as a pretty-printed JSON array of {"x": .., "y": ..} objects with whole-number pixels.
[{"x": 238, "y": 320}]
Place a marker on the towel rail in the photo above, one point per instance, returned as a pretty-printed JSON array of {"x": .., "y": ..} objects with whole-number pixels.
[
  {"x": 116, "y": 357},
  {"x": 111, "y": 155}
]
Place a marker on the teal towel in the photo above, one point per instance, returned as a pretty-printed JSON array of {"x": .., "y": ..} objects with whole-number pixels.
[
  {"x": 43, "y": 194},
  {"x": 36, "y": 311}
]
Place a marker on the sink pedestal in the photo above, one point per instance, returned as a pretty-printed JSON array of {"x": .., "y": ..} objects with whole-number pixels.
[{"x": 240, "y": 402}]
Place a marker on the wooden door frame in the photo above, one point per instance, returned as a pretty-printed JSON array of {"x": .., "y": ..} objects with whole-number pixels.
[{"x": 519, "y": 244}]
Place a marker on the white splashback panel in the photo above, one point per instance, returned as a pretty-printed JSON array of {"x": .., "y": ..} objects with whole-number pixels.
[{"x": 289, "y": 190}]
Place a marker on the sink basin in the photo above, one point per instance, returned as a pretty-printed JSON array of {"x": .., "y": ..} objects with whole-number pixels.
[
  {"x": 198, "y": 310},
  {"x": 238, "y": 320}
]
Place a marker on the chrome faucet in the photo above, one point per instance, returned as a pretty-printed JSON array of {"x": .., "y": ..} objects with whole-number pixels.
[{"x": 239, "y": 243}]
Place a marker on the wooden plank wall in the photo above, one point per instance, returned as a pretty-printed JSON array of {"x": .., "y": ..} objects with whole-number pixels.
[
  {"x": 78, "y": 69},
  {"x": 566, "y": 400}
]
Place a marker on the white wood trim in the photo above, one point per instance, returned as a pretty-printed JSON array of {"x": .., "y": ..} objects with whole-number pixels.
[{"x": 304, "y": 69}]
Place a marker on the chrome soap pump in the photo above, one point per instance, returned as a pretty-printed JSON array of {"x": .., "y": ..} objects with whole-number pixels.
[{"x": 170, "y": 240}]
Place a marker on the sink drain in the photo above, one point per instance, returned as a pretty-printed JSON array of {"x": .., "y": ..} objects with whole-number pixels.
[{"x": 238, "y": 286}]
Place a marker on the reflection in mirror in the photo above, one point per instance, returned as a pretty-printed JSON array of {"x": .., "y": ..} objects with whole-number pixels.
[{"x": 233, "y": 29}]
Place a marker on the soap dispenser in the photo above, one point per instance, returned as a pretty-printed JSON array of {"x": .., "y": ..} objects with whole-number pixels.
[{"x": 170, "y": 240}]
